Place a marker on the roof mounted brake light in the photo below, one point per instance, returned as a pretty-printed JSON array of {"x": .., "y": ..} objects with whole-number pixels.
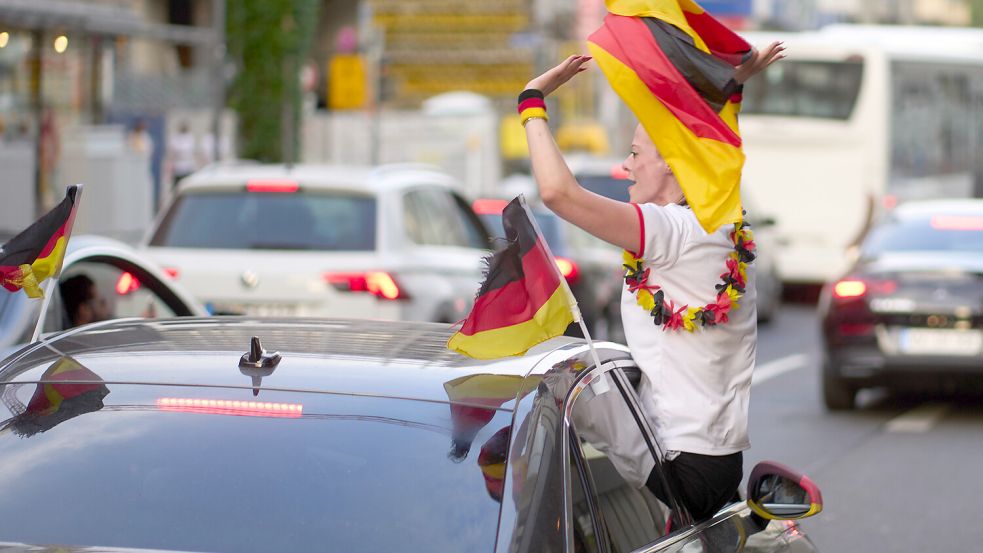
[
  {"x": 229, "y": 407},
  {"x": 272, "y": 185}
]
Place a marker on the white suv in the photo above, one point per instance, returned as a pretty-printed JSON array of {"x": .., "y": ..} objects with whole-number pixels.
[{"x": 394, "y": 242}]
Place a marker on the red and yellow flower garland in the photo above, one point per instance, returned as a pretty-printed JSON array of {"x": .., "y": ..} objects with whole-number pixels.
[{"x": 729, "y": 291}]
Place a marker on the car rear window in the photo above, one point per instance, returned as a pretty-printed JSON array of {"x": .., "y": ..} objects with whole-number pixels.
[
  {"x": 937, "y": 233},
  {"x": 140, "y": 467},
  {"x": 244, "y": 220}
]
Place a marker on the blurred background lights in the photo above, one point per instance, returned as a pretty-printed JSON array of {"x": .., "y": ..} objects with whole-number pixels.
[
  {"x": 4, "y": 39},
  {"x": 61, "y": 43}
]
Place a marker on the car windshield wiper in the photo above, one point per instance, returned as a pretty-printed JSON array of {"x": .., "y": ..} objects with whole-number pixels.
[{"x": 279, "y": 246}]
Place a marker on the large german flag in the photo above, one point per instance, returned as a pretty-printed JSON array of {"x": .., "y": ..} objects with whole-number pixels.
[
  {"x": 37, "y": 253},
  {"x": 523, "y": 300},
  {"x": 674, "y": 64}
]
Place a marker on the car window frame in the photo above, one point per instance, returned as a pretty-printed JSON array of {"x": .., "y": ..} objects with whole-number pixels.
[
  {"x": 146, "y": 278},
  {"x": 627, "y": 390}
]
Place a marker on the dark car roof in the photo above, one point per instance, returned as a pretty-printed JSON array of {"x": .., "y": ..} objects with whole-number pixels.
[{"x": 374, "y": 358}]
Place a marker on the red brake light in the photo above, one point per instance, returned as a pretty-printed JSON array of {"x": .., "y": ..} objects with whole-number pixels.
[
  {"x": 568, "y": 268},
  {"x": 618, "y": 172},
  {"x": 227, "y": 407},
  {"x": 127, "y": 284},
  {"x": 956, "y": 222},
  {"x": 849, "y": 289},
  {"x": 489, "y": 206},
  {"x": 172, "y": 272},
  {"x": 272, "y": 185},
  {"x": 378, "y": 283}
]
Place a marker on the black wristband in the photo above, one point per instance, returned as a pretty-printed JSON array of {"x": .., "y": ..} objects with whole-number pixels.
[{"x": 531, "y": 93}]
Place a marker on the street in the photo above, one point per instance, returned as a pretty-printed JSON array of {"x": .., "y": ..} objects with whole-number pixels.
[{"x": 898, "y": 474}]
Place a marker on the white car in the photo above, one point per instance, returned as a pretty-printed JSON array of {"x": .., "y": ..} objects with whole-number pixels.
[{"x": 393, "y": 242}]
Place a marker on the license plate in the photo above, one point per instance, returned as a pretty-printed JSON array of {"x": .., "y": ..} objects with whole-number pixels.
[{"x": 939, "y": 341}]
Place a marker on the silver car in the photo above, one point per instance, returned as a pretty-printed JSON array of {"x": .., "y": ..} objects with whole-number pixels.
[
  {"x": 394, "y": 242},
  {"x": 247, "y": 435}
]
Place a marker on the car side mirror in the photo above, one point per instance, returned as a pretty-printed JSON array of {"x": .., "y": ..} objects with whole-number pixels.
[{"x": 776, "y": 492}]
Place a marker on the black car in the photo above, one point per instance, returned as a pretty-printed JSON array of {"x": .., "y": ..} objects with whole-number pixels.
[
  {"x": 591, "y": 266},
  {"x": 193, "y": 434},
  {"x": 909, "y": 313}
]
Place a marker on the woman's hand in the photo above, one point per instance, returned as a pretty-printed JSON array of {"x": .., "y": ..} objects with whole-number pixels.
[
  {"x": 759, "y": 61},
  {"x": 556, "y": 77}
]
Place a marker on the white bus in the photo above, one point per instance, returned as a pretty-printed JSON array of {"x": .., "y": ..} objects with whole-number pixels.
[{"x": 856, "y": 119}]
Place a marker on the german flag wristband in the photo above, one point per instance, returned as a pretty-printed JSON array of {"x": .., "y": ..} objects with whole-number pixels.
[{"x": 532, "y": 106}]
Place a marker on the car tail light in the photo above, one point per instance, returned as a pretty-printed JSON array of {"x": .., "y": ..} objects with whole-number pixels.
[
  {"x": 127, "y": 284},
  {"x": 489, "y": 206},
  {"x": 568, "y": 268},
  {"x": 956, "y": 222},
  {"x": 856, "y": 288},
  {"x": 377, "y": 283},
  {"x": 855, "y": 329},
  {"x": 172, "y": 272},
  {"x": 272, "y": 185},
  {"x": 849, "y": 289},
  {"x": 229, "y": 407}
]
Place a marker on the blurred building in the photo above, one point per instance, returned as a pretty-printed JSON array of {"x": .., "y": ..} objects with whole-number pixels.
[
  {"x": 75, "y": 80},
  {"x": 811, "y": 14}
]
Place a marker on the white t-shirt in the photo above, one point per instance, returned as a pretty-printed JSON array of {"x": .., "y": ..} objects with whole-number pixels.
[{"x": 695, "y": 386}]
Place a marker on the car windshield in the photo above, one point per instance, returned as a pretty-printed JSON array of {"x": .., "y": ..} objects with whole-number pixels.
[
  {"x": 278, "y": 221},
  {"x": 938, "y": 233},
  {"x": 124, "y": 466},
  {"x": 607, "y": 186}
]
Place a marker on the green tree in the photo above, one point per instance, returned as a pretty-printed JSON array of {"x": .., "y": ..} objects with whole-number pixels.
[
  {"x": 268, "y": 41},
  {"x": 976, "y": 9}
]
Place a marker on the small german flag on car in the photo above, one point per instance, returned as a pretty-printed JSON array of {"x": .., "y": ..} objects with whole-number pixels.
[
  {"x": 37, "y": 252},
  {"x": 524, "y": 299}
]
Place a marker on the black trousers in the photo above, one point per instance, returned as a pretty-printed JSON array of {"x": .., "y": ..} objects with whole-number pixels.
[{"x": 702, "y": 483}]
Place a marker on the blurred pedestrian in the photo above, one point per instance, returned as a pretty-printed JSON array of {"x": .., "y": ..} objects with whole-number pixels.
[
  {"x": 679, "y": 304},
  {"x": 181, "y": 153},
  {"x": 139, "y": 140},
  {"x": 83, "y": 302}
]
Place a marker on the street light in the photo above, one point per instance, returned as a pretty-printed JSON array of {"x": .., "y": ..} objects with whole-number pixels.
[{"x": 61, "y": 44}]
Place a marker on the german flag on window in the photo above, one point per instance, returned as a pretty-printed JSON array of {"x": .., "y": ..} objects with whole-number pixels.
[
  {"x": 37, "y": 253},
  {"x": 523, "y": 300},
  {"x": 673, "y": 64}
]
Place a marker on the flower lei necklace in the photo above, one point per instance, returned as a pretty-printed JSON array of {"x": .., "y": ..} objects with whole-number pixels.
[{"x": 729, "y": 291}]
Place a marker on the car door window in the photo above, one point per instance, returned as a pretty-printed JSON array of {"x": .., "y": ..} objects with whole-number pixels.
[
  {"x": 120, "y": 290},
  {"x": 615, "y": 461},
  {"x": 437, "y": 219}
]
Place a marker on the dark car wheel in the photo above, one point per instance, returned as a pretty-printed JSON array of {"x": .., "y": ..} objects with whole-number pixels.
[{"x": 838, "y": 394}]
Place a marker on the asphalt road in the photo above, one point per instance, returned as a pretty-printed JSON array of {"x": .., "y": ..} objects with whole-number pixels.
[{"x": 899, "y": 474}]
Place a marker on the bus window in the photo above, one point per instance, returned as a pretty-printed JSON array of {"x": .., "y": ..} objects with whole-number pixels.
[
  {"x": 934, "y": 121},
  {"x": 815, "y": 89}
]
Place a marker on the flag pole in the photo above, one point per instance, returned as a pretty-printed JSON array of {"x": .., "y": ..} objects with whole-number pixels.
[
  {"x": 571, "y": 299},
  {"x": 44, "y": 308}
]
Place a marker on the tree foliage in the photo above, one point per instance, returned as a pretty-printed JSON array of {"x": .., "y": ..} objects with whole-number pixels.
[{"x": 268, "y": 41}]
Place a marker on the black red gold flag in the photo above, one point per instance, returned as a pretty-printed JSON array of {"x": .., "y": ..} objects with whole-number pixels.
[
  {"x": 674, "y": 64},
  {"x": 38, "y": 251},
  {"x": 524, "y": 299}
]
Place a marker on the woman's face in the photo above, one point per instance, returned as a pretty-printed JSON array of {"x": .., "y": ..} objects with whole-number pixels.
[{"x": 654, "y": 181}]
